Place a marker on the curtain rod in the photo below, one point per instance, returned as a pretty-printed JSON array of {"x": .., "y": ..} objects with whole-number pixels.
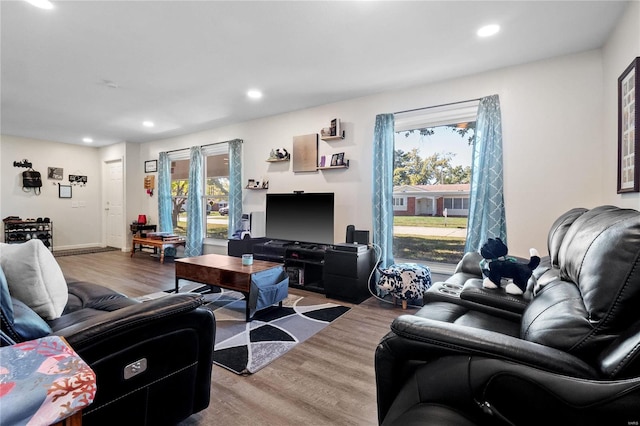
[
  {"x": 437, "y": 106},
  {"x": 202, "y": 146}
]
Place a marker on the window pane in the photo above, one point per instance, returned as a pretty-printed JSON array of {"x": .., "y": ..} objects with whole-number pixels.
[
  {"x": 432, "y": 174},
  {"x": 217, "y": 196},
  {"x": 179, "y": 190}
]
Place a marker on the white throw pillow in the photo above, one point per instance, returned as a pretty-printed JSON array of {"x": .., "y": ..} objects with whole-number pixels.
[{"x": 34, "y": 277}]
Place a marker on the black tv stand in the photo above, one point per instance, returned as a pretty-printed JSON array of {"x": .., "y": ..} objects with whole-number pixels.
[{"x": 321, "y": 268}]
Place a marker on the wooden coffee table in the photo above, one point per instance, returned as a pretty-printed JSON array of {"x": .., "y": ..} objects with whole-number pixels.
[
  {"x": 156, "y": 244},
  {"x": 222, "y": 271}
]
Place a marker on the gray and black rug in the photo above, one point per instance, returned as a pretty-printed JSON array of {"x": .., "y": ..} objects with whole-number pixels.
[{"x": 246, "y": 347}]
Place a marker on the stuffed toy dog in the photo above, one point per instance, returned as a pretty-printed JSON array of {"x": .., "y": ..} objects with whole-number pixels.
[{"x": 496, "y": 265}]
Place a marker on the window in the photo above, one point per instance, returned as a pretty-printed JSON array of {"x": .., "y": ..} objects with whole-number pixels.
[
  {"x": 457, "y": 203},
  {"x": 431, "y": 181},
  {"x": 215, "y": 200},
  {"x": 398, "y": 202}
]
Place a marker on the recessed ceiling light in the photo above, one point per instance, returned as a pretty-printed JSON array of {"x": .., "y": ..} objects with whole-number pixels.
[
  {"x": 148, "y": 123},
  {"x": 488, "y": 30},
  {"x": 254, "y": 94},
  {"x": 87, "y": 140},
  {"x": 42, "y": 4}
]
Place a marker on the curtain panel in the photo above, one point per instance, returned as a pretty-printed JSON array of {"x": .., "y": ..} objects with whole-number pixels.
[
  {"x": 383, "y": 148},
  {"x": 165, "y": 222},
  {"x": 486, "y": 204},
  {"x": 195, "y": 231},
  {"x": 235, "y": 186}
]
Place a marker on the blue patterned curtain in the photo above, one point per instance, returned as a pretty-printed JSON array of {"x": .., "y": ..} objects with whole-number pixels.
[
  {"x": 486, "y": 205},
  {"x": 235, "y": 186},
  {"x": 165, "y": 221},
  {"x": 195, "y": 231},
  {"x": 383, "y": 144}
]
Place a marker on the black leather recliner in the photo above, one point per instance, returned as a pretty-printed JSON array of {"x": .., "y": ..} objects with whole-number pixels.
[
  {"x": 568, "y": 354},
  {"x": 152, "y": 359}
]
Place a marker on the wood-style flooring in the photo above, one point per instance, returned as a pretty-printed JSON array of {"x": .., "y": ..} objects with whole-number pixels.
[{"x": 327, "y": 380}]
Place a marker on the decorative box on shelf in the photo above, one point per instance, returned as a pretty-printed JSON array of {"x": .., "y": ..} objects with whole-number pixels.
[
  {"x": 278, "y": 156},
  {"x": 255, "y": 184},
  {"x": 332, "y": 133}
]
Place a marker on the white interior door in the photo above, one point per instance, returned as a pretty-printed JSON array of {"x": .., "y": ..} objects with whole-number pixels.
[{"x": 114, "y": 202}]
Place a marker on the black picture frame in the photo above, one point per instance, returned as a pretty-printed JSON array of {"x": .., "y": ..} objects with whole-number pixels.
[
  {"x": 628, "y": 137},
  {"x": 64, "y": 191},
  {"x": 334, "y": 160},
  {"x": 151, "y": 166}
]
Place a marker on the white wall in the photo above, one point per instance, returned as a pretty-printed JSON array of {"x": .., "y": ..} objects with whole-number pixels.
[
  {"x": 620, "y": 50},
  {"x": 77, "y": 221},
  {"x": 559, "y": 135},
  {"x": 552, "y": 127}
]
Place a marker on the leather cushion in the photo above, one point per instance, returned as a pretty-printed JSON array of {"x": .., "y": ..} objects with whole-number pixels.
[
  {"x": 559, "y": 229},
  {"x": 601, "y": 254}
]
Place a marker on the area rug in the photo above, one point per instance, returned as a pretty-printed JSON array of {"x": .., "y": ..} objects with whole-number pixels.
[
  {"x": 246, "y": 347},
  {"x": 86, "y": 250}
]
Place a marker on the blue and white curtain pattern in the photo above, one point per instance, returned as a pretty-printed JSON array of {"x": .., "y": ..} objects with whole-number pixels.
[
  {"x": 195, "y": 231},
  {"x": 165, "y": 206},
  {"x": 383, "y": 149},
  {"x": 486, "y": 205},
  {"x": 235, "y": 186}
]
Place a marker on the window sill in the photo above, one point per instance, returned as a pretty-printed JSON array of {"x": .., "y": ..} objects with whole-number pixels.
[{"x": 215, "y": 242}]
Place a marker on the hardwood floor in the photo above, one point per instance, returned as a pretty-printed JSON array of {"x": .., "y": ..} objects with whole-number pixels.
[{"x": 327, "y": 380}]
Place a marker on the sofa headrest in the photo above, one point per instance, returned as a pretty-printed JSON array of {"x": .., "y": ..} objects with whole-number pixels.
[
  {"x": 558, "y": 231},
  {"x": 597, "y": 293},
  {"x": 600, "y": 253}
]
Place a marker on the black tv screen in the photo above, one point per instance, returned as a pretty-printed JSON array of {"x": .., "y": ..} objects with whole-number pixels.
[{"x": 302, "y": 217}]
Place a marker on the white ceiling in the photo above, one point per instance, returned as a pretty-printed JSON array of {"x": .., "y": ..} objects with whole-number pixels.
[{"x": 186, "y": 65}]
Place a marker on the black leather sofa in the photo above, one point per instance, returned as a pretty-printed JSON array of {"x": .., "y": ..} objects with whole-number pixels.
[
  {"x": 567, "y": 352},
  {"x": 152, "y": 359}
]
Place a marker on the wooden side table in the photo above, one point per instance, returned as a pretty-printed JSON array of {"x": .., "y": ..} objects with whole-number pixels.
[
  {"x": 156, "y": 244},
  {"x": 44, "y": 381}
]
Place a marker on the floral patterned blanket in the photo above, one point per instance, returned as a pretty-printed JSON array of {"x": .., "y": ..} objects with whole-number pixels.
[{"x": 43, "y": 381}]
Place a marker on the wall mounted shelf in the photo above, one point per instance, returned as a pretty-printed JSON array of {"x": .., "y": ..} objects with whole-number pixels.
[
  {"x": 255, "y": 188},
  {"x": 333, "y": 138},
  {"x": 277, "y": 160},
  {"x": 342, "y": 166}
]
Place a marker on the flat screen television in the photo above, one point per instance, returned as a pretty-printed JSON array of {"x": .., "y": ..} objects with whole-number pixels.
[{"x": 300, "y": 217}]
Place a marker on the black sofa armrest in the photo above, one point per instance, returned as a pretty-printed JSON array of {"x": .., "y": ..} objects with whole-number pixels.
[
  {"x": 107, "y": 324},
  {"x": 422, "y": 339},
  {"x": 415, "y": 342},
  {"x": 473, "y": 291},
  {"x": 622, "y": 358},
  {"x": 153, "y": 360}
]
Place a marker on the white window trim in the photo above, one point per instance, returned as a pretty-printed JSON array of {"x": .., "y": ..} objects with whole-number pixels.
[{"x": 459, "y": 112}]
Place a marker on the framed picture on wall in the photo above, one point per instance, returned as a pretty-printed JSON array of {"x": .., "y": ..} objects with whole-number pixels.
[
  {"x": 628, "y": 138},
  {"x": 64, "y": 191},
  {"x": 151, "y": 166}
]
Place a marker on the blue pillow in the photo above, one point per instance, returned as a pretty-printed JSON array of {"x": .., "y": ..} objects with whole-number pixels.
[
  {"x": 5, "y": 298},
  {"x": 19, "y": 322},
  {"x": 26, "y": 323}
]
